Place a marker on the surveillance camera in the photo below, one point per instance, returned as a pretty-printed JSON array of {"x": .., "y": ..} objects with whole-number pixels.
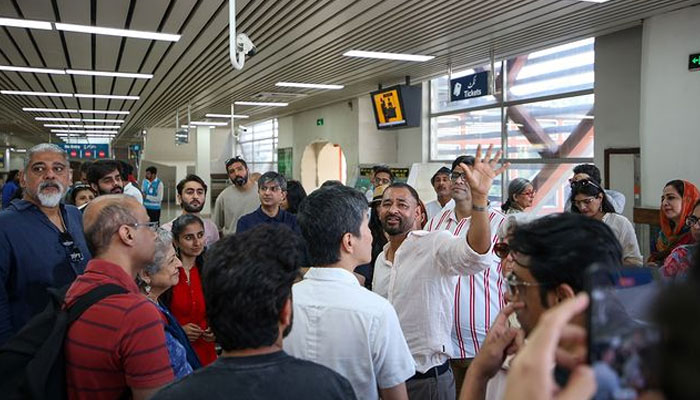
[{"x": 245, "y": 45}]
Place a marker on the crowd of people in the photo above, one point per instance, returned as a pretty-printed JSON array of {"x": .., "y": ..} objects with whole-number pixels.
[{"x": 336, "y": 294}]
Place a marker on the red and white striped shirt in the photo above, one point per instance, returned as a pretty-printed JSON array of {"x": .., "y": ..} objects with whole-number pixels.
[{"x": 478, "y": 298}]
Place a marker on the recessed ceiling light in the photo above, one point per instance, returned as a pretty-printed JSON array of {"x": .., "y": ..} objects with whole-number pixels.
[
  {"x": 33, "y": 109},
  {"x": 117, "y": 32},
  {"x": 105, "y": 96},
  {"x": 207, "y": 123},
  {"x": 309, "y": 85},
  {"x": 32, "y": 69},
  {"x": 28, "y": 93},
  {"x": 25, "y": 23},
  {"x": 106, "y": 73},
  {"x": 225, "y": 116},
  {"x": 112, "y": 121},
  {"x": 388, "y": 56},
  {"x": 258, "y": 103}
]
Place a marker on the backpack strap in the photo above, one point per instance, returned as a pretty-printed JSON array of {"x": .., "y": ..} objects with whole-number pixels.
[{"x": 90, "y": 298}]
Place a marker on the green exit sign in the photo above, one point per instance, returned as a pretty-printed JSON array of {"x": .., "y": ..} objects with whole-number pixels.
[
  {"x": 694, "y": 62},
  {"x": 319, "y": 122}
]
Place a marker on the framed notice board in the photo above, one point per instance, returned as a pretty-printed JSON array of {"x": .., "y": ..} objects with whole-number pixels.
[{"x": 284, "y": 162}]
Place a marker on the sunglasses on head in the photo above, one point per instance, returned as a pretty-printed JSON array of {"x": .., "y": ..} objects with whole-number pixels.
[{"x": 585, "y": 182}]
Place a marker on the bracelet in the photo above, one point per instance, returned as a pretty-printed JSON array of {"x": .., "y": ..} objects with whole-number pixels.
[{"x": 479, "y": 208}]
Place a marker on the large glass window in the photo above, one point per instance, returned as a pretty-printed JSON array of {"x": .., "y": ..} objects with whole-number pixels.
[
  {"x": 542, "y": 115},
  {"x": 257, "y": 143}
]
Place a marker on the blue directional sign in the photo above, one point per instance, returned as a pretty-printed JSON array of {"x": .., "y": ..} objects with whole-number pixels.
[{"x": 470, "y": 86}]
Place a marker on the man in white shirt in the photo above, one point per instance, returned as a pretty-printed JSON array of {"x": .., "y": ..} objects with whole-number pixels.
[
  {"x": 442, "y": 186},
  {"x": 478, "y": 297},
  {"x": 129, "y": 188},
  {"x": 337, "y": 322},
  {"x": 417, "y": 273},
  {"x": 192, "y": 195}
]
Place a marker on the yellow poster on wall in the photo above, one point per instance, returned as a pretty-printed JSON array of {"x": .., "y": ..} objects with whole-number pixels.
[{"x": 388, "y": 108}]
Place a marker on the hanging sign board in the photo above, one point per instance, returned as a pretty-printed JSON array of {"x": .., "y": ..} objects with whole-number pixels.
[{"x": 470, "y": 86}]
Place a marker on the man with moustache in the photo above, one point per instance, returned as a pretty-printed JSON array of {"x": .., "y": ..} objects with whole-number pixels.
[
  {"x": 192, "y": 195},
  {"x": 237, "y": 200},
  {"x": 41, "y": 240},
  {"x": 104, "y": 176},
  {"x": 441, "y": 185}
]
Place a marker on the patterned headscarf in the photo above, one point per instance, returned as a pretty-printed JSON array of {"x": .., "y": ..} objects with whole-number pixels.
[{"x": 671, "y": 237}]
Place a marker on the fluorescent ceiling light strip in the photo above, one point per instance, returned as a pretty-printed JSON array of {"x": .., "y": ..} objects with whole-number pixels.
[
  {"x": 105, "y": 96},
  {"x": 258, "y": 103},
  {"x": 82, "y": 131},
  {"x": 169, "y": 37},
  {"x": 28, "y": 93},
  {"x": 225, "y": 116},
  {"x": 57, "y": 119},
  {"x": 26, "y": 23},
  {"x": 111, "y": 121},
  {"x": 49, "y": 110},
  {"x": 32, "y": 69},
  {"x": 388, "y": 56},
  {"x": 103, "y": 112},
  {"x": 81, "y": 126},
  {"x": 107, "y": 73},
  {"x": 309, "y": 85},
  {"x": 206, "y": 123}
]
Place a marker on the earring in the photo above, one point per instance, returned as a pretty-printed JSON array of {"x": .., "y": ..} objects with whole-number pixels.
[{"x": 147, "y": 288}]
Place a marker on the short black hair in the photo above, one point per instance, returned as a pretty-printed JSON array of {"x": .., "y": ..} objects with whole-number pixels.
[
  {"x": 325, "y": 216},
  {"x": 401, "y": 185},
  {"x": 295, "y": 194},
  {"x": 12, "y": 175},
  {"x": 84, "y": 167},
  {"x": 590, "y": 170},
  {"x": 562, "y": 246},
  {"x": 383, "y": 168},
  {"x": 100, "y": 168},
  {"x": 126, "y": 169},
  {"x": 441, "y": 171},
  {"x": 468, "y": 160},
  {"x": 331, "y": 183},
  {"x": 589, "y": 188},
  {"x": 236, "y": 159},
  {"x": 190, "y": 178},
  {"x": 247, "y": 279},
  {"x": 152, "y": 169}
]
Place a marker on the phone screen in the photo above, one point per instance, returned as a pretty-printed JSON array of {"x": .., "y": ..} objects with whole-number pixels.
[{"x": 622, "y": 338}]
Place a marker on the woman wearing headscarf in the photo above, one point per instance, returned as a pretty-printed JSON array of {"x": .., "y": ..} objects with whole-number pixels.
[{"x": 677, "y": 201}]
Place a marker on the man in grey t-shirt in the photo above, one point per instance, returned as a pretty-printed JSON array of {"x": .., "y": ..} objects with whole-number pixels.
[{"x": 237, "y": 200}]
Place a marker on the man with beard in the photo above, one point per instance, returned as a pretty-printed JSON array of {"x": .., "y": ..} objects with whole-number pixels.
[
  {"x": 272, "y": 188},
  {"x": 441, "y": 185},
  {"x": 247, "y": 286},
  {"x": 237, "y": 200},
  {"x": 192, "y": 195},
  {"x": 104, "y": 176},
  {"x": 41, "y": 240},
  {"x": 417, "y": 270}
]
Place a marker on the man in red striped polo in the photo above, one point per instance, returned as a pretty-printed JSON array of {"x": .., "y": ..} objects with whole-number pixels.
[
  {"x": 477, "y": 298},
  {"x": 116, "y": 349}
]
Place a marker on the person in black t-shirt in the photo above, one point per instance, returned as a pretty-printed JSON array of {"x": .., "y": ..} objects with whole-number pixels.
[{"x": 247, "y": 286}]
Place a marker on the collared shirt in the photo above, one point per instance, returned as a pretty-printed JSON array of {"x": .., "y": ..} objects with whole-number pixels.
[
  {"x": 116, "y": 344},
  {"x": 32, "y": 258},
  {"x": 420, "y": 284},
  {"x": 258, "y": 217},
  {"x": 479, "y": 297},
  {"x": 345, "y": 327},
  {"x": 211, "y": 232},
  {"x": 133, "y": 191}
]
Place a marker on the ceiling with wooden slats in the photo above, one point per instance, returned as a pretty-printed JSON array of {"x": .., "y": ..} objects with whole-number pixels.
[{"x": 297, "y": 41}]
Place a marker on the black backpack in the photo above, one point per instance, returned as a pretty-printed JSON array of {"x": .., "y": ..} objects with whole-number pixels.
[{"x": 32, "y": 363}]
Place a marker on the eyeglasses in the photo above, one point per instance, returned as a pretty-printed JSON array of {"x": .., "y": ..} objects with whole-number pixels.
[
  {"x": 152, "y": 225},
  {"x": 69, "y": 244},
  {"x": 382, "y": 181},
  {"x": 586, "y": 201},
  {"x": 528, "y": 194},
  {"x": 456, "y": 175},
  {"x": 691, "y": 221},
  {"x": 513, "y": 283}
]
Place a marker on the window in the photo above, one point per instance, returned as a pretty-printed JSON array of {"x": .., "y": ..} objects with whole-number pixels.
[
  {"x": 257, "y": 144},
  {"x": 542, "y": 115}
]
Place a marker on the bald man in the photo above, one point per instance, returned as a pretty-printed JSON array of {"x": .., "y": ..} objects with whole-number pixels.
[{"x": 125, "y": 327}]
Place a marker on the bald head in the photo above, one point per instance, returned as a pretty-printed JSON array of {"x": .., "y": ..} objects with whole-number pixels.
[{"x": 103, "y": 217}]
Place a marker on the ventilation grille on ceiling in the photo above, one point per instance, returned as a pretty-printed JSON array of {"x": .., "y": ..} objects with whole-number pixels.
[{"x": 278, "y": 96}]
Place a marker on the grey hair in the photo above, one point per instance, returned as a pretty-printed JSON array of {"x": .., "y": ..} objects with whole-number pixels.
[
  {"x": 110, "y": 218},
  {"x": 272, "y": 176},
  {"x": 42, "y": 148},
  {"x": 164, "y": 240},
  {"x": 516, "y": 186}
]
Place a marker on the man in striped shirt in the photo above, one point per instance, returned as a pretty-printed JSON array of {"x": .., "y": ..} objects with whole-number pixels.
[
  {"x": 477, "y": 298},
  {"x": 116, "y": 349}
]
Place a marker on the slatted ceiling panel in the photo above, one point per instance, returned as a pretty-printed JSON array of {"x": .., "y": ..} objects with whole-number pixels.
[{"x": 74, "y": 11}]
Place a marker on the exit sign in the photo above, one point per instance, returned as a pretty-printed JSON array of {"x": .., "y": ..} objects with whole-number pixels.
[
  {"x": 694, "y": 62},
  {"x": 319, "y": 122}
]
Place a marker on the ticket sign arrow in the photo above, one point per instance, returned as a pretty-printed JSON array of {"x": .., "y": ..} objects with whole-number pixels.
[{"x": 694, "y": 62}]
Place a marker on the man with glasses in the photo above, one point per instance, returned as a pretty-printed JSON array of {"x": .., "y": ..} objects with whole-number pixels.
[
  {"x": 41, "y": 239},
  {"x": 104, "y": 176},
  {"x": 478, "y": 297},
  {"x": 117, "y": 346},
  {"x": 381, "y": 175},
  {"x": 272, "y": 189},
  {"x": 237, "y": 200},
  {"x": 547, "y": 260}
]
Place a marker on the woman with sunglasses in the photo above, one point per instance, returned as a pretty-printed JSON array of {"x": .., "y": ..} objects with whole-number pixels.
[
  {"x": 521, "y": 194},
  {"x": 679, "y": 261},
  {"x": 589, "y": 199},
  {"x": 677, "y": 201}
]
